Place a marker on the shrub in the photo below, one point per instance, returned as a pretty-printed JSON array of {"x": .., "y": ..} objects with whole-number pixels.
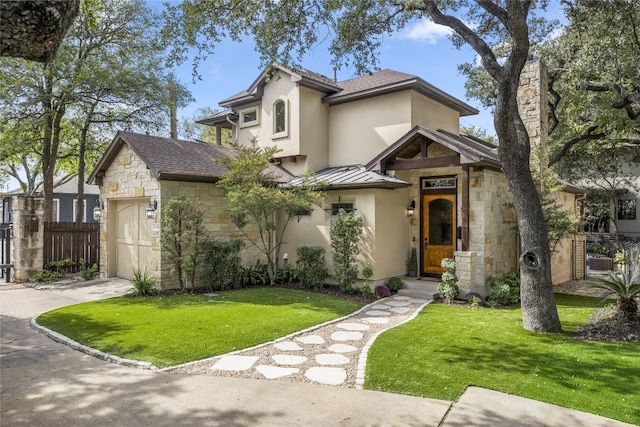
[
  {"x": 311, "y": 266},
  {"x": 256, "y": 275},
  {"x": 222, "y": 263},
  {"x": 475, "y": 300},
  {"x": 598, "y": 250},
  {"x": 412, "y": 262},
  {"x": 345, "y": 232},
  {"x": 448, "y": 288},
  {"x": 287, "y": 274},
  {"x": 46, "y": 276},
  {"x": 395, "y": 284},
  {"x": 624, "y": 288},
  {"x": 365, "y": 290},
  {"x": 143, "y": 285},
  {"x": 505, "y": 288},
  {"x": 383, "y": 291},
  {"x": 88, "y": 273}
]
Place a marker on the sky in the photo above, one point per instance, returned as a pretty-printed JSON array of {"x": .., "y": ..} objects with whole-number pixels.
[{"x": 422, "y": 49}]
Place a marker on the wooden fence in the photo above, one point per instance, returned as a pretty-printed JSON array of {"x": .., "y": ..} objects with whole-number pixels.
[{"x": 78, "y": 242}]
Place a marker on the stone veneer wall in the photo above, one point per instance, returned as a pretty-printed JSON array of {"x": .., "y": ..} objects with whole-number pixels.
[
  {"x": 127, "y": 178},
  {"x": 212, "y": 199},
  {"x": 28, "y": 246},
  {"x": 533, "y": 106}
]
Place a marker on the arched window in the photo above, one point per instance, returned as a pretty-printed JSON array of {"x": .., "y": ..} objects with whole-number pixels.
[{"x": 279, "y": 118}]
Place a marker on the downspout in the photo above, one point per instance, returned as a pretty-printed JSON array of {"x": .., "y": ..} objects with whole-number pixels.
[{"x": 235, "y": 126}]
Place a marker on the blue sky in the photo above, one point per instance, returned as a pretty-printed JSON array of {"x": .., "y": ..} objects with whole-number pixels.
[{"x": 422, "y": 49}]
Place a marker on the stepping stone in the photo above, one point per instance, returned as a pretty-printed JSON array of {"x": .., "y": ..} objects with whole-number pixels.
[
  {"x": 376, "y": 320},
  {"x": 400, "y": 310},
  {"x": 353, "y": 326},
  {"x": 398, "y": 303},
  {"x": 272, "y": 372},
  {"x": 377, "y": 313},
  {"x": 401, "y": 297},
  {"x": 342, "y": 348},
  {"x": 419, "y": 301},
  {"x": 329, "y": 376},
  {"x": 234, "y": 363},
  {"x": 380, "y": 307},
  {"x": 285, "y": 359},
  {"x": 287, "y": 346},
  {"x": 210, "y": 294},
  {"x": 331, "y": 359},
  {"x": 311, "y": 339},
  {"x": 346, "y": 336}
]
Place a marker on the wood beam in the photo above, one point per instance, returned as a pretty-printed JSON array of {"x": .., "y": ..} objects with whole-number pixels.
[
  {"x": 464, "y": 217},
  {"x": 431, "y": 162}
]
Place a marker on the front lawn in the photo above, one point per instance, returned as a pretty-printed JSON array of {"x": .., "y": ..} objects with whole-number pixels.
[
  {"x": 448, "y": 347},
  {"x": 169, "y": 330}
]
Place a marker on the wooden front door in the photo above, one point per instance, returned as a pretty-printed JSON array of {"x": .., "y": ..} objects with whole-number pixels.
[{"x": 438, "y": 230}]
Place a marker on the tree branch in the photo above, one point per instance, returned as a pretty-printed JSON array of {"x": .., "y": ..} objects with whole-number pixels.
[{"x": 587, "y": 136}]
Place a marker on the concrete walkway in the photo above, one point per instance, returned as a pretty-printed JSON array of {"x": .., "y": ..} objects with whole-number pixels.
[{"x": 45, "y": 383}]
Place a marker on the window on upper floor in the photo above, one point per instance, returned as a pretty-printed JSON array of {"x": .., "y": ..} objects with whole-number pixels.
[
  {"x": 280, "y": 118},
  {"x": 249, "y": 116}
]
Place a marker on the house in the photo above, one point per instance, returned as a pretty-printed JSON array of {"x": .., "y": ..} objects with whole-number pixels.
[
  {"x": 387, "y": 144},
  {"x": 65, "y": 196}
]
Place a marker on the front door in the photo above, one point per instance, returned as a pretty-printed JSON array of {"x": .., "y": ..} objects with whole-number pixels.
[{"x": 438, "y": 230}]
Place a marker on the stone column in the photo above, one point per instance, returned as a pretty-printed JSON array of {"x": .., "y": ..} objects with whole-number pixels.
[
  {"x": 28, "y": 236},
  {"x": 533, "y": 105}
]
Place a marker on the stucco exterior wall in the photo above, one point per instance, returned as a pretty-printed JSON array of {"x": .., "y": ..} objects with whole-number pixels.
[
  {"x": 314, "y": 132},
  {"x": 359, "y": 130},
  {"x": 430, "y": 114}
]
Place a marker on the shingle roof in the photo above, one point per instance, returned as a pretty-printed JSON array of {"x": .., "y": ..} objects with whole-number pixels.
[
  {"x": 378, "y": 83},
  {"x": 174, "y": 159},
  {"x": 353, "y": 176}
]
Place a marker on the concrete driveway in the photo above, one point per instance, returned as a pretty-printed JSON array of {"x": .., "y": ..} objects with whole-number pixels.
[{"x": 45, "y": 383}]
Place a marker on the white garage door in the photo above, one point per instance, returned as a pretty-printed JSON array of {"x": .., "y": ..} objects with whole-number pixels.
[{"x": 133, "y": 245}]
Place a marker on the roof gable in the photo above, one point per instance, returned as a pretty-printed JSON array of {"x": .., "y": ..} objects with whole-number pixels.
[
  {"x": 471, "y": 150},
  {"x": 173, "y": 159}
]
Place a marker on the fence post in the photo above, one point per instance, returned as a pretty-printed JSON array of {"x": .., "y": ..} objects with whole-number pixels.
[{"x": 28, "y": 236}]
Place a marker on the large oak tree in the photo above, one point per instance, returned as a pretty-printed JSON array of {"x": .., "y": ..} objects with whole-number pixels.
[{"x": 285, "y": 30}]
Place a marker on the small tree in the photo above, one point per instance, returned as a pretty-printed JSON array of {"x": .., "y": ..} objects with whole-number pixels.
[
  {"x": 255, "y": 201},
  {"x": 345, "y": 233},
  {"x": 182, "y": 234},
  {"x": 448, "y": 288}
]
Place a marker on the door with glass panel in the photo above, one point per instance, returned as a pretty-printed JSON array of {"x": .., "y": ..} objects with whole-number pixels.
[{"x": 438, "y": 230}]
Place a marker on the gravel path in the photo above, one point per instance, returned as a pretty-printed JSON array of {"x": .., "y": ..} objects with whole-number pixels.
[{"x": 333, "y": 353}]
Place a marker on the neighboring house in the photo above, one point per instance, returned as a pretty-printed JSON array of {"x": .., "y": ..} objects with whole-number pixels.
[
  {"x": 65, "y": 196},
  {"x": 388, "y": 145}
]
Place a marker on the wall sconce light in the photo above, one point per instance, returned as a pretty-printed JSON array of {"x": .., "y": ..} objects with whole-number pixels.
[
  {"x": 150, "y": 212},
  {"x": 411, "y": 208},
  {"x": 97, "y": 211}
]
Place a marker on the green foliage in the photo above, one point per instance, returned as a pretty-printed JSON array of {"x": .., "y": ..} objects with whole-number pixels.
[
  {"x": 598, "y": 250},
  {"x": 412, "y": 262},
  {"x": 255, "y": 275},
  {"x": 475, "y": 300},
  {"x": 505, "y": 288},
  {"x": 624, "y": 287},
  {"x": 311, "y": 266},
  {"x": 255, "y": 201},
  {"x": 395, "y": 284},
  {"x": 143, "y": 284},
  {"x": 345, "y": 232},
  {"x": 287, "y": 274},
  {"x": 181, "y": 238},
  {"x": 89, "y": 273},
  {"x": 221, "y": 264},
  {"x": 365, "y": 290},
  {"x": 448, "y": 287},
  {"x": 46, "y": 276}
]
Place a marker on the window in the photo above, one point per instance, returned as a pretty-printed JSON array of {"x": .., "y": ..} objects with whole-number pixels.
[
  {"x": 279, "y": 118},
  {"x": 55, "y": 212},
  {"x": 627, "y": 209},
  {"x": 249, "y": 116},
  {"x": 347, "y": 207},
  {"x": 434, "y": 183}
]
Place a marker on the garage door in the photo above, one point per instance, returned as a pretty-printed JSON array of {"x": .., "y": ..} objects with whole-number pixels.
[{"x": 133, "y": 244}]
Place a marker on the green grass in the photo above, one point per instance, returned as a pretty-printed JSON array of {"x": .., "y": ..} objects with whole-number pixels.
[
  {"x": 447, "y": 348},
  {"x": 170, "y": 330}
]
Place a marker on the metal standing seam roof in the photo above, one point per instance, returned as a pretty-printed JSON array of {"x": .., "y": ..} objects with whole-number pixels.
[{"x": 352, "y": 177}]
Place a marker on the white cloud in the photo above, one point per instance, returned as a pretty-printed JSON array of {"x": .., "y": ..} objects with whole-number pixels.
[{"x": 426, "y": 31}]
